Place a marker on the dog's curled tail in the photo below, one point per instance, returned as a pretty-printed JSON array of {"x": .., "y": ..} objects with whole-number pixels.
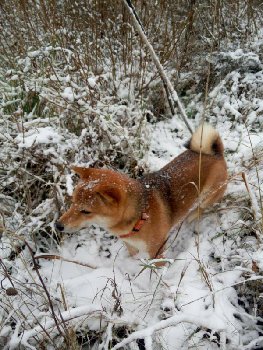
[{"x": 207, "y": 140}]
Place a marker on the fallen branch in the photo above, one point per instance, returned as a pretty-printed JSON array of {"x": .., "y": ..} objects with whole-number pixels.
[
  {"x": 58, "y": 257},
  {"x": 50, "y": 325},
  {"x": 203, "y": 321},
  {"x": 146, "y": 333},
  {"x": 167, "y": 83}
]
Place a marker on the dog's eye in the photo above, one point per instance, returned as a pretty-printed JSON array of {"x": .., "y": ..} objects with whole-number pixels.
[{"x": 85, "y": 212}]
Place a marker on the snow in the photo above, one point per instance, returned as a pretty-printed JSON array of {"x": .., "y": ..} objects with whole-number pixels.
[
  {"x": 208, "y": 294},
  {"x": 68, "y": 94},
  {"x": 92, "y": 82},
  {"x": 192, "y": 299},
  {"x": 69, "y": 184},
  {"x": 46, "y": 135}
]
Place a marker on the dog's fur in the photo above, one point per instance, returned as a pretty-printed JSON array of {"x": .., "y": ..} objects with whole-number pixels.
[{"x": 192, "y": 181}]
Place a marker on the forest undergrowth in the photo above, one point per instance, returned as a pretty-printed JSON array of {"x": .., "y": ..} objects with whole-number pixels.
[{"x": 78, "y": 86}]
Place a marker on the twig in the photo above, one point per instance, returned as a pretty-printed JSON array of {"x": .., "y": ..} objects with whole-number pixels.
[
  {"x": 6, "y": 274},
  {"x": 63, "y": 297},
  {"x": 153, "y": 296},
  {"x": 105, "y": 345},
  {"x": 45, "y": 288},
  {"x": 257, "y": 173},
  {"x": 253, "y": 200},
  {"x": 172, "y": 93},
  {"x": 58, "y": 257}
]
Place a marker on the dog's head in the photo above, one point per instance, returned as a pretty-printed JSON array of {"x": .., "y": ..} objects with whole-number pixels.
[{"x": 100, "y": 197}]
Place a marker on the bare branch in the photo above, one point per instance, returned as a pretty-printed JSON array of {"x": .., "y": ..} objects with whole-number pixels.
[
  {"x": 172, "y": 93},
  {"x": 58, "y": 257}
]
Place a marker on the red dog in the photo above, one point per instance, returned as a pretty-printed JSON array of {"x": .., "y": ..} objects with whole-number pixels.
[{"x": 142, "y": 211}]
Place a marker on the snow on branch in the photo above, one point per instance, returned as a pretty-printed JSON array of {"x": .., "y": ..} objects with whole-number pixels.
[
  {"x": 206, "y": 322},
  {"x": 50, "y": 325}
]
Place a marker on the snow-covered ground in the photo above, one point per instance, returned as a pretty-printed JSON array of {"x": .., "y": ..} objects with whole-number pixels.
[
  {"x": 193, "y": 302},
  {"x": 209, "y": 294}
]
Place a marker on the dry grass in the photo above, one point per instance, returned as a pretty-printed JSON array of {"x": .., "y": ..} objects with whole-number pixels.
[{"x": 90, "y": 40}]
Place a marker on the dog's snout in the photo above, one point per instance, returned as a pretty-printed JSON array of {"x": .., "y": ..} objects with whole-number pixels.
[{"x": 59, "y": 226}]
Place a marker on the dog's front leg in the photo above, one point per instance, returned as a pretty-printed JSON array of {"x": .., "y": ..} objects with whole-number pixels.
[{"x": 132, "y": 250}]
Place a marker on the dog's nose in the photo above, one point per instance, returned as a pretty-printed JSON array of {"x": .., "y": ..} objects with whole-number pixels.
[{"x": 59, "y": 226}]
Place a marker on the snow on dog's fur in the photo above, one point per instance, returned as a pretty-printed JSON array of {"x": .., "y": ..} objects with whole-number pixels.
[{"x": 143, "y": 211}]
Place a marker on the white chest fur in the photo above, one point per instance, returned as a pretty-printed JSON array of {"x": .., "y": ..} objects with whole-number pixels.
[{"x": 137, "y": 244}]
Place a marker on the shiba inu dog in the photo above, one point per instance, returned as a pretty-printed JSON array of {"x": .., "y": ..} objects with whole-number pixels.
[{"x": 142, "y": 211}]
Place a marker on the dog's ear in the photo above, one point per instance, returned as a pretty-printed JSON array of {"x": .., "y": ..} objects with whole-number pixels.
[
  {"x": 109, "y": 194},
  {"x": 81, "y": 171}
]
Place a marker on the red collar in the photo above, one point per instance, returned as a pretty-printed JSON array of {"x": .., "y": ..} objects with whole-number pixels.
[{"x": 138, "y": 225}]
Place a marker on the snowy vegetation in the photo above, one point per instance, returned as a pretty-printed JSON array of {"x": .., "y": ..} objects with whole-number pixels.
[{"x": 77, "y": 86}]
